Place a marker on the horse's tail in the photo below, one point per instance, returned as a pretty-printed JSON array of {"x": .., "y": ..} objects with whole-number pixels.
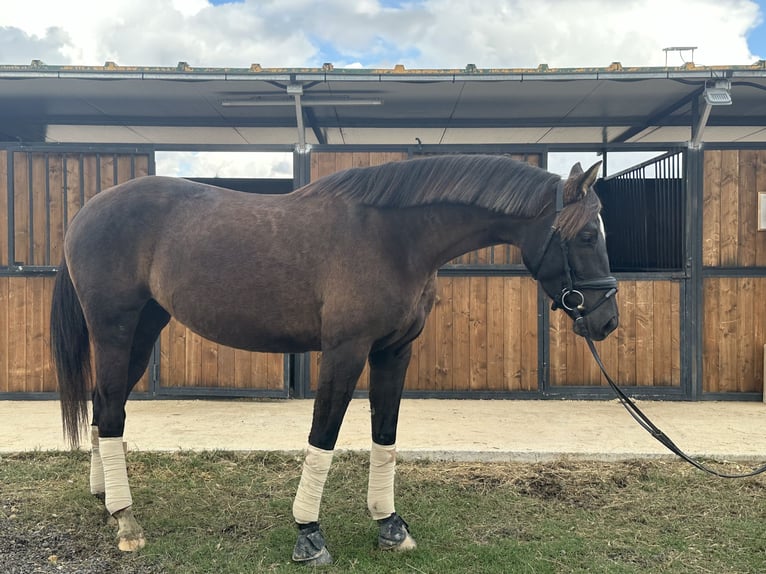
[{"x": 70, "y": 347}]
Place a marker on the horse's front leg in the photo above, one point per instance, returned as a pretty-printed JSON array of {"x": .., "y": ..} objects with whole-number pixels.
[
  {"x": 339, "y": 371},
  {"x": 387, "y": 372}
]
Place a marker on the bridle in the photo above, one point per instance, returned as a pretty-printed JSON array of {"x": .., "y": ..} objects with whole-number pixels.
[
  {"x": 577, "y": 310},
  {"x": 571, "y": 297}
]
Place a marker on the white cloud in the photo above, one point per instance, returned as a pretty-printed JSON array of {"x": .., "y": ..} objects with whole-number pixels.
[
  {"x": 428, "y": 34},
  {"x": 225, "y": 164}
]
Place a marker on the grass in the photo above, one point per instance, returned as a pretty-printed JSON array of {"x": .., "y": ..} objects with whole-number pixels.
[{"x": 231, "y": 513}]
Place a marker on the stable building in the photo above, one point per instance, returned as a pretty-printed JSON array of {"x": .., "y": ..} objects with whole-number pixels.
[{"x": 686, "y": 228}]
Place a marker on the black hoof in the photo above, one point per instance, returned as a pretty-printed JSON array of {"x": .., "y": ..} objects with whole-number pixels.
[
  {"x": 310, "y": 547},
  {"x": 395, "y": 534}
]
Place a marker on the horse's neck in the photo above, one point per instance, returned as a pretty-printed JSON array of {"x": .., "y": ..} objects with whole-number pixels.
[{"x": 442, "y": 233}]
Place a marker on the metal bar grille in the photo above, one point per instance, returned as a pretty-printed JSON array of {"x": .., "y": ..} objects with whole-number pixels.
[{"x": 644, "y": 215}]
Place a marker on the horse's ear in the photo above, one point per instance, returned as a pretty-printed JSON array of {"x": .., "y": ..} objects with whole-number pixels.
[
  {"x": 579, "y": 183},
  {"x": 590, "y": 177},
  {"x": 575, "y": 171}
]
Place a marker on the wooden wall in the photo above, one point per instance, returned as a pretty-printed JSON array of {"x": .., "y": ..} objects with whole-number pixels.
[
  {"x": 733, "y": 310},
  {"x": 47, "y": 190},
  {"x": 480, "y": 336},
  {"x": 644, "y": 351},
  {"x": 734, "y": 332},
  {"x": 732, "y": 180},
  {"x": 190, "y": 361}
]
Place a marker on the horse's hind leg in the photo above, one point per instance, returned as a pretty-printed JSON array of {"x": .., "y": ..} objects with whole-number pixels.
[
  {"x": 109, "y": 418},
  {"x": 387, "y": 373}
]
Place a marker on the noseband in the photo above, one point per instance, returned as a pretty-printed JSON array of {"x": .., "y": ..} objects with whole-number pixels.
[{"x": 571, "y": 298}]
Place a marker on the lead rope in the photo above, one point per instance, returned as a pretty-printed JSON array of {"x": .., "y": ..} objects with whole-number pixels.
[{"x": 651, "y": 428}]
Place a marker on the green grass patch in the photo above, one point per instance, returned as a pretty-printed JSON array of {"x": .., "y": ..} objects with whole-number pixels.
[{"x": 222, "y": 512}]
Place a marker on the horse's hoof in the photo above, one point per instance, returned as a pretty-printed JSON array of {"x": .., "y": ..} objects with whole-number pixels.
[
  {"x": 395, "y": 534},
  {"x": 310, "y": 548},
  {"x": 131, "y": 544}
]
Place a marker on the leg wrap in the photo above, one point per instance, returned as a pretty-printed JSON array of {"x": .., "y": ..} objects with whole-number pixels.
[
  {"x": 380, "y": 489},
  {"x": 96, "y": 468},
  {"x": 115, "y": 474},
  {"x": 309, "y": 495}
]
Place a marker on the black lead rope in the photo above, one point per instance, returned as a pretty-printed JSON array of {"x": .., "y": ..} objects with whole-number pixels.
[{"x": 652, "y": 429}]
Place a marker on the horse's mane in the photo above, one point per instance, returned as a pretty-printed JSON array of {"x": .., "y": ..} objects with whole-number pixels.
[{"x": 497, "y": 183}]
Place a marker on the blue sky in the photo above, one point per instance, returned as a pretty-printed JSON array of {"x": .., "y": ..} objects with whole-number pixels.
[{"x": 757, "y": 38}]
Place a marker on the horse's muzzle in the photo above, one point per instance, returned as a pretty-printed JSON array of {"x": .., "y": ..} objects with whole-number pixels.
[{"x": 597, "y": 334}]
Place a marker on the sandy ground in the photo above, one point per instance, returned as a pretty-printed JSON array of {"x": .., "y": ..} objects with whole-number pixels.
[{"x": 438, "y": 429}]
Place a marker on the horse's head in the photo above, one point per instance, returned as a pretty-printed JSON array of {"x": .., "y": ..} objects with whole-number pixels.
[{"x": 566, "y": 253}]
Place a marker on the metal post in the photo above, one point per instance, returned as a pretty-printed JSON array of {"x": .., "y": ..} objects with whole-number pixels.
[
  {"x": 691, "y": 328},
  {"x": 298, "y": 372}
]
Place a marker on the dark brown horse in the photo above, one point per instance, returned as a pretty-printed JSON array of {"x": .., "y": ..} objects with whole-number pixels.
[{"x": 346, "y": 265}]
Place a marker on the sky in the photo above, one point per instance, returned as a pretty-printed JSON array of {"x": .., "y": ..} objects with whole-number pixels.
[{"x": 381, "y": 33}]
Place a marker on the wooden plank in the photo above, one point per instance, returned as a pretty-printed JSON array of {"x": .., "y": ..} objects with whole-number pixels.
[
  {"x": 728, "y": 334},
  {"x": 343, "y": 161},
  {"x": 760, "y": 187},
  {"x": 74, "y": 173},
  {"x": 40, "y": 238},
  {"x": 427, "y": 358},
  {"x": 124, "y": 168},
  {"x": 675, "y": 337},
  {"x": 746, "y": 329},
  {"x": 226, "y": 367},
  {"x": 92, "y": 179},
  {"x": 5, "y": 340},
  {"x": 759, "y": 333},
  {"x": 360, "y": 159},
  {"x": 107, "y": 163},
  {"x": 142, "y": 165},
  {"x": 626, "y": 334},
  {"x": 711, "y": 209},
  {"x": 3, "y": 209},
  {"x": 34, "y": 328},
  {"x": 729, "y": 207},
  {"x": 56, "y": 183},
  {"x": 529, "y": 370},
  {"x": 441, "y": 319},
  {"x": 193, "y": 360},
  {"x": 496, "y": 325},
  {"x": 17, "y": 340},
  {"x": 710, "y": 326},
  {"x": 558, "y": 349},
  {"x": 21, "y": 207},
  {"x": 512, "y": 333},
  {"x": 50, "y": 383},
  {"x": 478, "y": 332},
  {"x": 461, "y": 326},
  {"x": 322, "y": 164},
  {"x": 276, "y": 371},
  {"x": 242, "y": 367},
  {"x": 748, "y": 210},
  {"x": 209, "y": 363},
  {"x": 645, "y": 333},
  {"x": 662, "y": 321}
]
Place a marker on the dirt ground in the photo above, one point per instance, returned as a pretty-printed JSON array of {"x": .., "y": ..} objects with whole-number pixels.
[{"x": 437, "y": 429}]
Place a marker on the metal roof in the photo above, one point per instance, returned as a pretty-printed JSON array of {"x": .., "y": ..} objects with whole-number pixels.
[{"x": 185, "y": 106}]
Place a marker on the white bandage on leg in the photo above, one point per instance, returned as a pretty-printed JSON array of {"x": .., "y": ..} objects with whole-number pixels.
[
  {"x": 309, "y": 495},
  {"x": 380, "y": 489},
  {"x": 115, "y": 474},
  {"x": 96, "y": 468}
]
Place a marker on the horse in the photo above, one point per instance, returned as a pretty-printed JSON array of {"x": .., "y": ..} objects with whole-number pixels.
[{"x": 345, "y": 265}]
